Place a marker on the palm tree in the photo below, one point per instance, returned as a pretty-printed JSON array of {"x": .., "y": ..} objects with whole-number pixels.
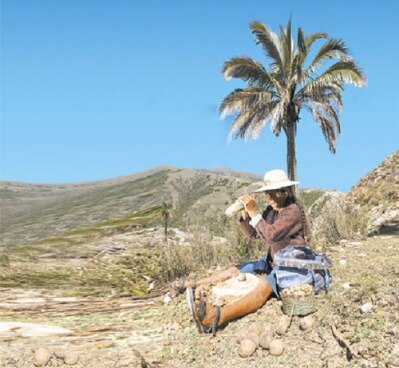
[{"x": 277, "y": 94}]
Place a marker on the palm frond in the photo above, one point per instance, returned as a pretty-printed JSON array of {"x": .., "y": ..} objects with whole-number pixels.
[
  {"x": 297, "y": 75},
  {"x": 304, "y": 45},
  {"x": 312, "y": 91},
  {"x": 249, "y": 123},
  {"x": 327, "y": 102},
  {"x": 301, "y": 41},
  {"x": 248, "y": 70},
  {"x": 331, "y": 49},
  {"x": 325, "y": 109},
  {"x": 310, "y": 39},
  {"x": 339, "y": 73},
  {"x": 254, "y": 126},
  {"x": 243, "y": 100},
  {"x": 276, "y": 117},
  {"x": 239, "y": 122},
  {"x": 301, "y": 53},
  {"x": 287, "y": 46},
  {"x": 270, "y": 43},
  {"x": 327, "y": 128}
]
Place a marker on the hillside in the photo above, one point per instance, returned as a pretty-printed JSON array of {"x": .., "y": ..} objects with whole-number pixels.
[
  {"x": 30, "y": 212},
  {"x": 33, "y": 211},
  {"x": 376, "y": 197}
]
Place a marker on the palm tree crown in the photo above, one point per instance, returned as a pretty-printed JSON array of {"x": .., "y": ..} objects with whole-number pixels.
[{"x": 291, "y": 82}]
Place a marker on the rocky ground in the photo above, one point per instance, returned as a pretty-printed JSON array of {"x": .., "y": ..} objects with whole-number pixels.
[{"x": 356, "y": 323}]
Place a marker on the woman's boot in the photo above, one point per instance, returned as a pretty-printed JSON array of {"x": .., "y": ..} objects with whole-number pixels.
[
  {"x": 181, "y": 286},
  {"x": 212, "y": 317}
]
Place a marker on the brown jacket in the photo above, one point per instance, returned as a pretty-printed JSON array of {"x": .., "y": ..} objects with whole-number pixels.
[{"x": 278, "y": 229}]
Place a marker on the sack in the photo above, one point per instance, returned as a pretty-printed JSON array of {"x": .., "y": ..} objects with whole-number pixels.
[
  {"x": 302, "y": 265},
  {"x": 301, "y": 257}
]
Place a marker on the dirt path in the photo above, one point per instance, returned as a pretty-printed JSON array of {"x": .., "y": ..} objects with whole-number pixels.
[
  {"x": 356, "y": 323},
  {"x": 104, "y": 332}
]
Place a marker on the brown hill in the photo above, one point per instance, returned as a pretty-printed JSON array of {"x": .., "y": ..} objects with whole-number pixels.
[{"x": 33, "y": 211}]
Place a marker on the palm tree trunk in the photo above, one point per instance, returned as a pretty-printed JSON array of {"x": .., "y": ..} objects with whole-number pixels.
[{"x": 291, "y": 154}]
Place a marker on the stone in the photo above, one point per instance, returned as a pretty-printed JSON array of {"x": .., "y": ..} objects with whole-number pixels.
[
  {"x": 306, "y": 323},
  {"x": 167, "y": 298},
  {"x": 276, "y": 347},
  {"x": 367, "y": 307},
  {"x": 247, "y": 348},
  {"x": 265, "y": 338},
  {"x": 71, "y": 358},
  {"x": 41, "y": 357},
  {"x": 282, "y": 325}
]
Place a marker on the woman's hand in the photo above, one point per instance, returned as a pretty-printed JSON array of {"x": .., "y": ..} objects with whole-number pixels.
[{"x": 249, "y": 204}]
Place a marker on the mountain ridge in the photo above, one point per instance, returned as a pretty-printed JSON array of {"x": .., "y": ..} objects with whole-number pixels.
[{"x": 32, "y": 211}]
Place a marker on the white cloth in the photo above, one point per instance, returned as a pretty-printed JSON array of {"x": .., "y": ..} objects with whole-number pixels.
[{"x": 254, "y": 221}]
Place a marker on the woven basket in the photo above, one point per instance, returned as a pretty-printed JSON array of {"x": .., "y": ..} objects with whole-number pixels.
[{"x": 298, "y": 304}]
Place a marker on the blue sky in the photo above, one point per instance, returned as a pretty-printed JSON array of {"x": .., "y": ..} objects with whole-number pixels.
[{"x": 96, "y": 89}]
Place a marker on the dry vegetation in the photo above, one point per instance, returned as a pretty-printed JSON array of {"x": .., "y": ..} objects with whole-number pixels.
[{"x": 128, "y": 332}]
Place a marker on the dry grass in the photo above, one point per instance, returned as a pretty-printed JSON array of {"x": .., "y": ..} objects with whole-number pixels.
[
  {"x": 204, "y": 252},
  {"x": 164, "y": 335}
]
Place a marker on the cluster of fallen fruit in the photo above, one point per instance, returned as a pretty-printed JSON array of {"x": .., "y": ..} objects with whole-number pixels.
[
  {"x": 41, "y": 356},
  {"x": 264, "y": 336}
]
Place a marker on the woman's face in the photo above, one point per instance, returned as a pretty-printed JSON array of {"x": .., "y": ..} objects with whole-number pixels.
[{"x": 277, "y": 198}]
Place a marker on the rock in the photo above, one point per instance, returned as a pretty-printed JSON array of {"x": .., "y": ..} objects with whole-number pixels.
[
  {"x": 71, "y": 358},
  {"x": 41, "y": 357},
  {"x": 254, "y": 337},
  {"x": 282, "y": 325},
  {"x": 388, "y": 221},
  {"x": 355, "y": 244},
  {"x": 276, "y": 347},
  {"x": 306, "y": 323},
  {"x": 241, "y": 336},
  {"x": 25, "y": 329},
  {"x": 327, "y": 217},
  {"x": 265, "y": 338},
  {"x": 247, "y": 348},
  {"x": 59, "y": 354},
  {"x": 167, "y": 298},
  {"x": 255, "y": 327},
  {"x": 103, "y": 344},
  {"x": 367, "y": 307}
]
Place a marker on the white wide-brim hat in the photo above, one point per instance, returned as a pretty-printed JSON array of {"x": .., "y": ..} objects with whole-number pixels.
[{"x": 275, "y": 179}]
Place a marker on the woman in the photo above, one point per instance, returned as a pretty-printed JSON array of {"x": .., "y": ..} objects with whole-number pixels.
[{"x": 283, "y": 223}]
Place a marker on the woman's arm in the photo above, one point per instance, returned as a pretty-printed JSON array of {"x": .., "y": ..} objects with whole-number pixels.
[
  {"x": 288, "y": 222},
  {"x": 248, "y": 230}
]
